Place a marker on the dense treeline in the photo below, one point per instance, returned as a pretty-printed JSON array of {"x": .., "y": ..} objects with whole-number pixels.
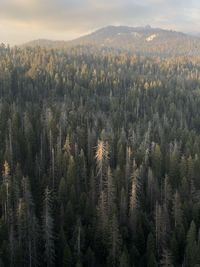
[{"x": 100, "y": 159}]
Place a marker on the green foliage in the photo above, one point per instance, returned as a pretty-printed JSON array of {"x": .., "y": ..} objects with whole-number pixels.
[
  {"x": 109, "y": 143},
  {"x": 191, "y": 246}
]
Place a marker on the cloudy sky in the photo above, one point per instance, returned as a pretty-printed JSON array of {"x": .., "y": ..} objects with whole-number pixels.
[{"x": 24, "y": 20}]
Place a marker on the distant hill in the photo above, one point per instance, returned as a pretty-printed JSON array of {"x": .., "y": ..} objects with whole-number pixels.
[
  {"x": 142, "y": 40},
  {"x": 45, "y": 43}
]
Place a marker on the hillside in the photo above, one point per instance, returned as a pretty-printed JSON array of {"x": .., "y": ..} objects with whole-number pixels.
[{"x": 142, "y": 40}]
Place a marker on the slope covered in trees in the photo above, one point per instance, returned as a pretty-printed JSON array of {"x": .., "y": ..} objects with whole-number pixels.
[
  {"x": 99, "y": 159},
  {"x": 139, "y": 40}
]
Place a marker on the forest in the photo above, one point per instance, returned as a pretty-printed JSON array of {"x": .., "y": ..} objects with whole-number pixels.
[{"x": 99, "y": 158}]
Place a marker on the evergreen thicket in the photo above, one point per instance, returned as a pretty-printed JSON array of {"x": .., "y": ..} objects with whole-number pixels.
[{"x": 99, "y": 159}]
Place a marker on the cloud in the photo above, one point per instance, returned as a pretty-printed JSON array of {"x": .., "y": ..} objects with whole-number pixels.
[{"x": 66, "y": 19}]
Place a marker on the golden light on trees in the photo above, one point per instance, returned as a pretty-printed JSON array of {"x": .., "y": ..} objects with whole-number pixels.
[
  {"x": 66, "y": 147},
  {"x": 101, "y": 151},
  {"x": 6, "y": 170}
]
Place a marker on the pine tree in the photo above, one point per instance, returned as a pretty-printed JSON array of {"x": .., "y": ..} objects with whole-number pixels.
[
  {"x": 152, "y": 189},
  {"x": 156, "y": 160},
  {"x": 114, "y": 242},
  {"x": 134, "y": 200},
  {"x": 29, "y": 225},
  {"x": 127, "y": 168},
  {"x": 90, "y": 258},
  {"x": 166, "y": 260},
  {"x": 48, "y": 229},
  {"x": 167, "y": 191},
  {"x": 101, "y": 159},
  {"x": 191, "y": 246},
  {"x": 62, "y": 196},
  {"x": 124, "y": 259},
  {"x": 158, "y": 224},
  {"x": 110, "y": 191},
  {"x": 6, "y": 190},
  {"x": 102, "y": 214},
  {"x": 123, "y": 207},
  {"x": 151, "y": 251},
  {"x": 177, "y": 209}
]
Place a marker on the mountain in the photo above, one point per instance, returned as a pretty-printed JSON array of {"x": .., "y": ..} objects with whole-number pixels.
[{"x": 142, "y": 40}]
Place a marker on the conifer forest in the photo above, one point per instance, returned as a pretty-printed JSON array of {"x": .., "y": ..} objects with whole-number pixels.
[{"x": 99, "y": 158}]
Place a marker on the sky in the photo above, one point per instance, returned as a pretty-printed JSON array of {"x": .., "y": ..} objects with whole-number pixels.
[{"x": 25, "y": 20}]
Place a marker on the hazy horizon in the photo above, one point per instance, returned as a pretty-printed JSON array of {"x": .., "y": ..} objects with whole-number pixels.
[{"x": 25, "y": 20}]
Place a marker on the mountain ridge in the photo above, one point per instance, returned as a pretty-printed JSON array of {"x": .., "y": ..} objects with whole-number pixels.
[{"x": 142, "y": 40}]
